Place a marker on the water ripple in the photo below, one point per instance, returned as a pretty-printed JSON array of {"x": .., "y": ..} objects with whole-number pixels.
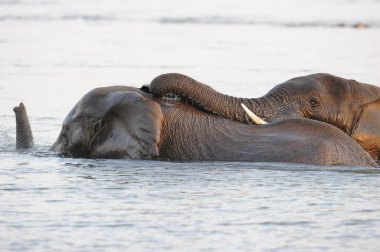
[{"x": 197, "y": 20}]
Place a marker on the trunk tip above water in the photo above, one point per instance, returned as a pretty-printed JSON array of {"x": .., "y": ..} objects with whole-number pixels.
[
  {"x": 24, "y": 136},
  {"x": 20, "y": 108}
]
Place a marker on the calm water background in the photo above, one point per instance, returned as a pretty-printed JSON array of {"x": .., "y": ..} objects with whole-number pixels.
[{"x": 53, "y": 52}]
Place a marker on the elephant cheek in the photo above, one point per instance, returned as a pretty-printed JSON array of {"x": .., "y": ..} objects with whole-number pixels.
[{"x": 284, "y": 112}]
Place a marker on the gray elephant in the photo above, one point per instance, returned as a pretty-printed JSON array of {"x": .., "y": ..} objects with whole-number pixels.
[
  {"x": 349, "y": 105},
  {"x": 127, "y": 122}
]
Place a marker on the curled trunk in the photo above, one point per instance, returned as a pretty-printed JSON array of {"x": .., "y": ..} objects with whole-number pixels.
[
  {"x": 206, "y": 98},
  {"x": 24, "y": 136}
]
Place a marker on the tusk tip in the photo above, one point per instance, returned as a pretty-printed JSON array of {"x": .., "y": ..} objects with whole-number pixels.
[{"x": 252, "y": 116}]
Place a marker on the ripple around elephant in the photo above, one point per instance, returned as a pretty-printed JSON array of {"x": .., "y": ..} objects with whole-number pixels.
[
  {"x": 347, "y": 104},
  {"x": 126, "y": 122}
]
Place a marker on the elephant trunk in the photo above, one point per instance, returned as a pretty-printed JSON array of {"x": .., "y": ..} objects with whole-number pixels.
[
  {"x": 205, "y": 97},
  {"x": 24, "y": 136}
]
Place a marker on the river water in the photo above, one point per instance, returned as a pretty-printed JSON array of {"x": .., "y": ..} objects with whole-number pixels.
[{"x": 53, "y": 52}]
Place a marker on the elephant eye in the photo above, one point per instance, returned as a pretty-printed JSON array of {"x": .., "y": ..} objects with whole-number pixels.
[{"x": 314, "y": 102}]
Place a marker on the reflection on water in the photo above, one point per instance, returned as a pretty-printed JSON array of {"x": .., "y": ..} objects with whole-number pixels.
[{"x": 52, "y": 52}]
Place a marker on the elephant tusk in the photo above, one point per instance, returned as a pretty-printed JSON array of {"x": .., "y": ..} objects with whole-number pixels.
[{"x": 253, "y": 117}]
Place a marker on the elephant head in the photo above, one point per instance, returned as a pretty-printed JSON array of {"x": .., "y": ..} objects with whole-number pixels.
[
  {"x": 116, "y": 122},
  {"x": 323, "y": 97}
]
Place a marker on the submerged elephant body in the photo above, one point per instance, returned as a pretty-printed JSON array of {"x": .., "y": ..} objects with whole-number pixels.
[
  {"x": 125, "y": 122},
  {"x": 347, "y": 104}
]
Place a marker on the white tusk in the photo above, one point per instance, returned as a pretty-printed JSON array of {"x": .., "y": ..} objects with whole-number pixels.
[{"x": 253, "y": 117}]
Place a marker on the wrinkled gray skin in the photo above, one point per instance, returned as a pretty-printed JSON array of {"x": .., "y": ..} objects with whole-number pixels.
[
  {"x": 125, "y": 122},
  {"x": 24, "y": 136},
  {"x": 347, "y": 104}
]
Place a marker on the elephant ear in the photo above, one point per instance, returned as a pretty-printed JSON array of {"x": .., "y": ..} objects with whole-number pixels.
[
  {"x": 367, "y": 130},
  {"x": 132, "y": 127}
]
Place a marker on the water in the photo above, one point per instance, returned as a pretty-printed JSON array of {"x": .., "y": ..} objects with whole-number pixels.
[{"x": 52, "y": 52}]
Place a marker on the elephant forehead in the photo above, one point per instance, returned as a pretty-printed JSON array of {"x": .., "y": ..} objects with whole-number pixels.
[
  {"x": 321, "y": 83},
  {"x": 96, "y": 104}
]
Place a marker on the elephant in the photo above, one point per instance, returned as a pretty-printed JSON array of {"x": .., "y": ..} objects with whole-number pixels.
[
  {"x": 349, "y": 105},
  {"x": 129, "y": 123}
]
